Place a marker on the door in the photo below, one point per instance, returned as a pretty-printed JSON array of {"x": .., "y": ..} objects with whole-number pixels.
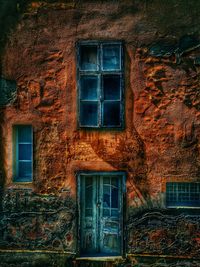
[{"x": 101, "y": 215}]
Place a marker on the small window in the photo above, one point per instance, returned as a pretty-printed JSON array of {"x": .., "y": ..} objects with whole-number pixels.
[
  {"x": 183, "y": 194},
  {"x": 100, "y": 73},
  {"x": 23, "y": 153}
]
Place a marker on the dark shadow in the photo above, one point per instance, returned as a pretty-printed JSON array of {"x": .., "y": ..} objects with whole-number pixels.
[
  {"x": 2, "y": 170},
  {"x": 10, "y": 12}
]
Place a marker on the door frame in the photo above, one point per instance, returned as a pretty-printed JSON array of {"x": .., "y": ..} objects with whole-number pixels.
[{"x": 123, "y": 184}]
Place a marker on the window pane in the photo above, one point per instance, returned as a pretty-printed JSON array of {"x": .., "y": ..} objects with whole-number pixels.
[
  {"x": 114, "y": 181},
  {"x": 106, "y": 196},
  {"x": 115, "y": 212},
  {"x": 111, "y": 114},
  {"x": 88, "y": 57},
  {"x": 88, "y": 192},
  {"x": 25, "y": 152},
  {"x": 111, "y": 87},
  {"x": 24, "y": 133},
  {"x": 114, "y": 198},
  {"x": 89, "y": 86},
  {"x": 106, "y": 180},
  {"x": 25, "y": 169},
  {"x": 111, "y": 57},
  {"x": 89, "y": 113}
]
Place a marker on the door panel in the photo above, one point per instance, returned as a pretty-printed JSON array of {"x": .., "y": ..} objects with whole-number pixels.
[
  {"x": 101, "y": 214},
  {"x": 110, "y": 217},
  {"x": 88, "y": 215}
]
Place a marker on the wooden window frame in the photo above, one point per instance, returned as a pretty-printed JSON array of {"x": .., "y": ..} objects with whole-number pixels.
[
  {"x": 16, "y": 143},
  {"x": 99, "y": 73}
]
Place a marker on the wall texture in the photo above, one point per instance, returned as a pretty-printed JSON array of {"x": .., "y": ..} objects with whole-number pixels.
[{"x": 160, "y": 142}]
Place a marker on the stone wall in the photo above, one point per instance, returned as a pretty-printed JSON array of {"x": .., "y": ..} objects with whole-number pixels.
[
  {"x": 160, "y": 142},
  {"x": 30, "y": 221}
]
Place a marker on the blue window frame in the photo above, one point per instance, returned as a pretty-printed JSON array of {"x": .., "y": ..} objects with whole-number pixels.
[
  {"x": 183, "y": 194},
  {"x": 100, "y": 84},
  {"x": 23, "y": 153}
]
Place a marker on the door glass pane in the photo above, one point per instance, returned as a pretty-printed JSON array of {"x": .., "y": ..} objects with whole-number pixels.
[
  {"x": 25, "y": 151},
  {"x": 89, "y": 113},
  {"x": 111, "y": 113},
  {"x": 106, "y": 180},
  {"x": 88, "y": 192},
  {"x": 114, "y": 181},
  {"x": 89, "y": 86},
  {"x": 115, "y": 212},
  {"x": 24, "y": 133},
  {"x": 114, "y": 197},
  {"x": 106, "y": 196},
  {"x": 25, "y": 169},
  {"x": 111, "y": 57},
  {"x": 88, "y": 57},
  {"x": 111, "y": 87}
]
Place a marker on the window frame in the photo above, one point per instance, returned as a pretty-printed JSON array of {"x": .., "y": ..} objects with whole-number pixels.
[
  {"x": 100, "y": 73},
  {"x": 188, "y": 204},
  {"x": 16, "y": 143}
]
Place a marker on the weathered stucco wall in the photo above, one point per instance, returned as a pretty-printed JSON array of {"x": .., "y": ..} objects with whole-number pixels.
[{"x": 160, "y": 141}]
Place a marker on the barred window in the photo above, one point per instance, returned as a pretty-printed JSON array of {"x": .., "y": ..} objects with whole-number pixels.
[{"x": 183, "y": 194}]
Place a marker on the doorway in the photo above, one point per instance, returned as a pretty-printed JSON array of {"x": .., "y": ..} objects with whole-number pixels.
[{"x": 101, "y": 213}]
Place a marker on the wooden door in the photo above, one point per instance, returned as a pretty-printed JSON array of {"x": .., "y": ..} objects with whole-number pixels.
[{"x": 101, "y": 215}]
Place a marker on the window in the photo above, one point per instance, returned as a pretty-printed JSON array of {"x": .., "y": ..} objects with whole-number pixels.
[
  {"x": 100, "y": 74},
  {"x": 23, "y": 158},
  {"x": 183, "y": 194},
  {"x": 101, "y": 213}
]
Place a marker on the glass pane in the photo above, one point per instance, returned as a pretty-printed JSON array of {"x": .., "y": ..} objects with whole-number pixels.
[
  {"x": 25, "y": 152},
  {"x": 88, "y": 57},
  {"x": 89, "y": 86},
  {"x": 24, "y": 133},
  {"x": 111, "y": 114},
  {"x": 111, "y": 87},
  {"x": 114, "y": 181},
  {"x": 88, "y": 196},
  {"x": 111, "y": 57},
  {"x": 88, "y": 181},
  {"x": 115, "y": 212},
  {"x": 25, "y": 169},
  {"x": 89, "y": 113},
  {"x": 114, "y": 198},
  {"x": 106, "y": 180},
  {"x": 106, "y": 196}
]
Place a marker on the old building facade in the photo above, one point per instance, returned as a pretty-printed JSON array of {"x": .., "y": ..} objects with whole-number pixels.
[{"x": 100, "y": 126}]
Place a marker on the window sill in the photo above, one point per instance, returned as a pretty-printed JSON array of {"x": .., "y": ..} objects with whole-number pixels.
[
  {"x": 100, "y": 258},
  {"x": 182, "y": 207}
]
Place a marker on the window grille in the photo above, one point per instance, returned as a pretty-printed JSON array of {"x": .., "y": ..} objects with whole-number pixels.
[{"x": 183, "y": 194}]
